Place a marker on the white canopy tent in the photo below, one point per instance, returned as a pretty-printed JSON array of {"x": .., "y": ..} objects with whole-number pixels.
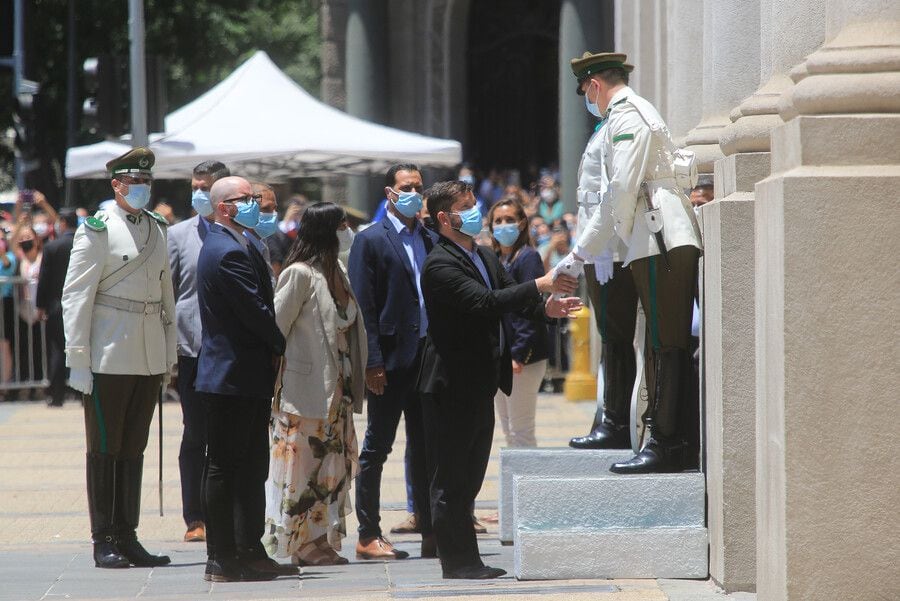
[{"x": 263, "y": 125}]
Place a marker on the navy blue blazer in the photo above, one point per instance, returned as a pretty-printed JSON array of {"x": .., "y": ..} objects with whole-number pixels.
[
  {"x": 383, "y": 282},
  {"x": 528, "y": 339},
  {"x": 237, "y": 313}
]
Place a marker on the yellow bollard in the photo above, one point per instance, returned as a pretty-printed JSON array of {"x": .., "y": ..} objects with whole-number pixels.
[{"x": 580, "y": 383}]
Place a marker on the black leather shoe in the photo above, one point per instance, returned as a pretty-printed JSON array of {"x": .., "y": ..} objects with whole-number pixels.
[
  {"x": 653, "y": 459},
  {"x": 602, "y": 437},
  {"x": 223, "y": 570},
  {"x": 267, "y": 565},
  {"x": 138, "y": 555},
  {"x": 474, "y": 573},
  {"x": 107, "y": 555}
]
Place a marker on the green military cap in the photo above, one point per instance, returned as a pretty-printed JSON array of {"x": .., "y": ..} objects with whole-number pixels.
[
  {"x": 591, "y": 63},
  {"x": 137, "y": 161}
]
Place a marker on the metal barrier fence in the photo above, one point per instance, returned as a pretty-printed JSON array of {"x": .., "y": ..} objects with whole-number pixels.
[{"x": 23, "y": 337}]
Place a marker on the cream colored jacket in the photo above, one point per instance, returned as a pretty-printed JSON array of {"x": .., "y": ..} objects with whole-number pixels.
[
  {"x": 637, "y": 152},
  {"x": 305, "y": 313},
  {"x": 109, "y": 340}
]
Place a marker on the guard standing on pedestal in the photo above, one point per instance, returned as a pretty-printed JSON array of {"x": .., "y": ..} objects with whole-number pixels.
[
  {"x": 645, "y": 206},
  {"x": 118, "y": 310},
  {"x": 609, "y": 285}
]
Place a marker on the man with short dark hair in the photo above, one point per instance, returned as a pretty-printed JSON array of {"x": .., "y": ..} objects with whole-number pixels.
[
  {"x": 385, "y": 271},
  {"x": 464, "y": 361},
  {"x": 54, "y": 265},
  {"x": 185, "y": 240},
  {"x": 272, "y": 242}
]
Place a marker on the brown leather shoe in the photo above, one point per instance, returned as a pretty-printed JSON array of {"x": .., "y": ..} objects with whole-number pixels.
[
  {"x": 407, "y": 526},
  {"x": 378, "y": 548},
  {"x": 479, "y": 527},
  {"x": 196, "y": 533}
]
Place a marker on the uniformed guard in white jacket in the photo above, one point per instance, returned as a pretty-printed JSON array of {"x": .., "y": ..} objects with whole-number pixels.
[
  {"x": 609, "y": 285},
  {"x": 646, "y": 208},
  {"x": 118, "y": 315}
]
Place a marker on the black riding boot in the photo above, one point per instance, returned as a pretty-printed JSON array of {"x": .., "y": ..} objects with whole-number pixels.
[
  {"x": 101, "y": 493},
  {"x": 610, "y": 428},
  {"x": 128, "y": 512},
  {"x": 663, "y": 450}
]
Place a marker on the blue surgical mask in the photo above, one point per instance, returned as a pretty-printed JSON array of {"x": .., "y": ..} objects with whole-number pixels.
[
  {"x": 200, "y": 202},
  {"x": 247, "y": 214},
  {"x": 408, "y": 203},
  {"x": 469, "y": 179},
  {"x": 138, "y": 195},
  {"x": 592, "y": 107},
  {"x": 506, "y": 234},
  {"x": 268, "y": 223},
  {"x": 471, "y": 222}
]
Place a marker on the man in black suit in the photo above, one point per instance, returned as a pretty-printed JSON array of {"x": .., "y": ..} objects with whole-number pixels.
[
  {"x": 465, "y": 360},
  {"x": 240, "y": 349},
  {"x": 385, "y": 271},
  {"x": 54, "y": 266}
]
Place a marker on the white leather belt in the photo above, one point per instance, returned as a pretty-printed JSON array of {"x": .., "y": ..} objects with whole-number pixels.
[
  {"x": 124, "y": 304},
  {"x": 587, "y": 198}
]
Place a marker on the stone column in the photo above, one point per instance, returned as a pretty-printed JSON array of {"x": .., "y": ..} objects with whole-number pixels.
[
  {"x": 584, "y": 25},
  {"x": 827, "y": 308},
  {"x": 684, "y": 67},
  {"x": 730, "y": 71},
  {"x": 729, "y": 323},
  {"x": 366, "y": 64}
]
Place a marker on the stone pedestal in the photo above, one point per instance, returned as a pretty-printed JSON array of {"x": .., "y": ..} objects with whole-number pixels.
[
  {"x": 827, "y": 308},
  {"x": 728, "y": 322}
]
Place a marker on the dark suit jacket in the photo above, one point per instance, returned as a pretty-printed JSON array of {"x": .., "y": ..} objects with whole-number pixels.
[
  {"x": 54, "y": 265},
  {"x": 528, "y": 339},
  {"x": 237, "y": 314},
  {"x": 385, "y": 288},
  {"x": 462, "y": 352}
]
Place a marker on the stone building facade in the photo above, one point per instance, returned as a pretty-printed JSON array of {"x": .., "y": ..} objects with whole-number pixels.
[{"x": 795, "y": 109}]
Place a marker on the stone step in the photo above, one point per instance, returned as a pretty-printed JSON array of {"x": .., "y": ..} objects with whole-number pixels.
[
  {"x": 611, "y": 553},
  {"x": 550, "y": 463},
  {"x": 614, "y": 501}
]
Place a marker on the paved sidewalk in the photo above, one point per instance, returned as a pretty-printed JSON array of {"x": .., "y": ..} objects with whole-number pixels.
[{"x": 44, "y": 532}]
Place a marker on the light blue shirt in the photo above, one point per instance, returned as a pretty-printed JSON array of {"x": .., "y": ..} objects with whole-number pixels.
[
  {"x": 414, "y": 245},
  {"x": 6, "y": 290}
]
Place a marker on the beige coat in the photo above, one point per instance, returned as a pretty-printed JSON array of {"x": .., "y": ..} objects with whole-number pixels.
[{"x": 305, "y": 314}]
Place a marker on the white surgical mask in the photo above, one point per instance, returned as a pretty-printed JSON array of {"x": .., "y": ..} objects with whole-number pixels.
[{"x": 345, "y": 237}]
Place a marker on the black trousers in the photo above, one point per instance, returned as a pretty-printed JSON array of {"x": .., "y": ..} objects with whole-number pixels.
[
  {"x": 192, "y": 455},
  {"x": 57, "y": 372},
  {"x": 400, "y": 396},
  {"x": 237, "y": 465},
  {"x": 459, "y": 430}
]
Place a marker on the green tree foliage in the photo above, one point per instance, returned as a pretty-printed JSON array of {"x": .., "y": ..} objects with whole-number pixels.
[{"x": 202, "y": 41}]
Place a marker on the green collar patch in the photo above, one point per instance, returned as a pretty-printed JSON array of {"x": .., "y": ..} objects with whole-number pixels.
[{"x": 94, "y": 223}]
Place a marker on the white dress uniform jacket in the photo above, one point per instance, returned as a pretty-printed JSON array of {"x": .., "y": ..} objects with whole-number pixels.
[
  {"x": 638, "y": 149},
  {"x": 306, "y": 315},
  {"x": 592, "y": 183},
  {"x": 112, "y": 340}
]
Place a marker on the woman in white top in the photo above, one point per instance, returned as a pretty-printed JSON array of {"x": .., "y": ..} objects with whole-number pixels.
[{"x": 314, "y": 453}]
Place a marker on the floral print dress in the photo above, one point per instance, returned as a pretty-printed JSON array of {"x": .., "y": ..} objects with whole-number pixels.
[{"x": 313, "y": 463}]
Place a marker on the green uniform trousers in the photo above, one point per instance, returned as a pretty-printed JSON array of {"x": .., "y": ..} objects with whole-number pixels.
[
  {"x": 667, "y": 296},
  {"x": 117, "y": 414},
  {"x": 614, "y": 304}
]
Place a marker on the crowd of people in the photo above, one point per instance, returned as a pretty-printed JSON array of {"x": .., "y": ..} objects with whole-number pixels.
[{"x": 442, "y": 310}]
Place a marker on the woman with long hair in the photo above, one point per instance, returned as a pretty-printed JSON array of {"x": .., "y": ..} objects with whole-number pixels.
[
  {"x": 320, "y": 384},
  {"x": 528, "y": 340}
]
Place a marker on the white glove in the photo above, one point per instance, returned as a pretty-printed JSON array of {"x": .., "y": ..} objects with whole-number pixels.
[
  {"x": 603, "y": 267},
  {"x": 570, "y": 265},
  {"x": 81, "y": 379}
]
